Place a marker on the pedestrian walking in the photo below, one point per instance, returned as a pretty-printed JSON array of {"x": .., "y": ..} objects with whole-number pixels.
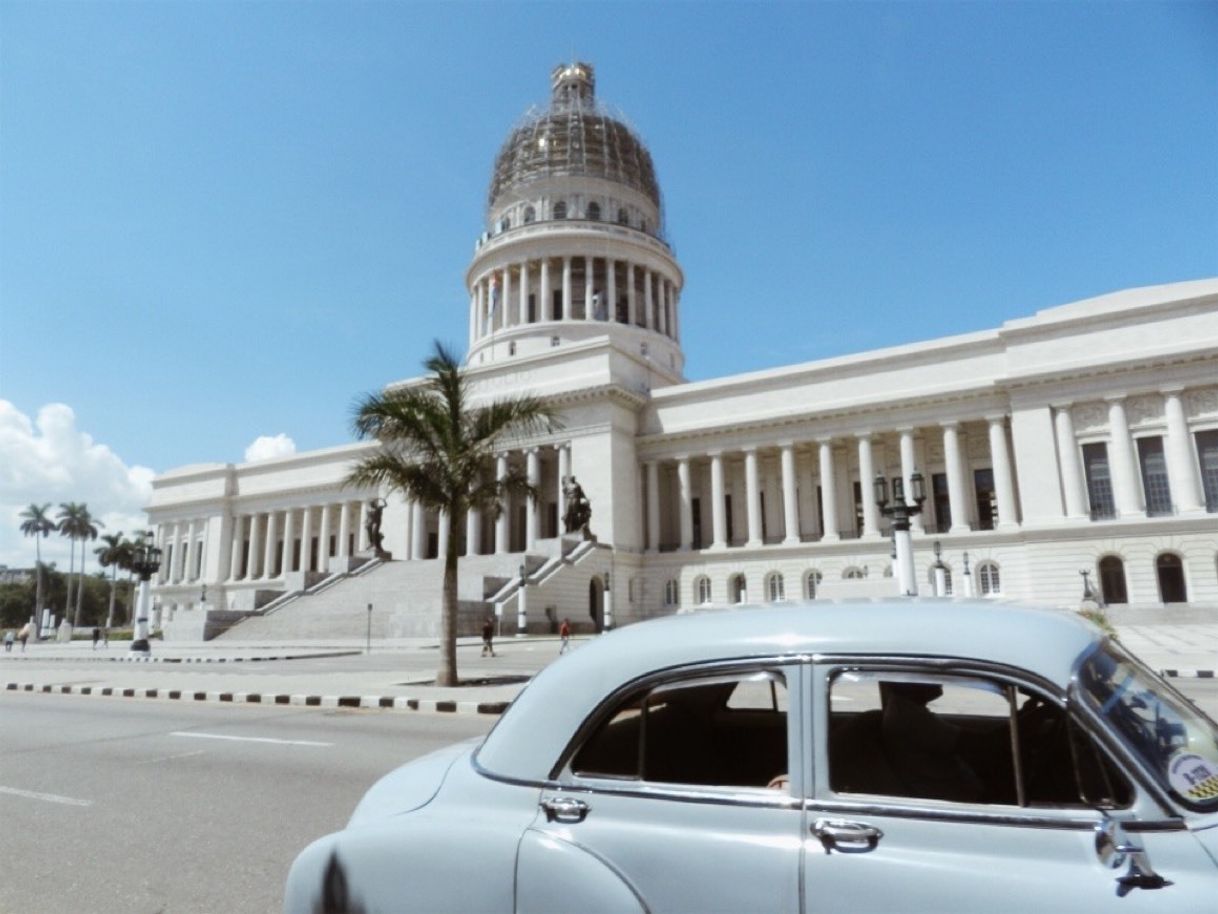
[
  {"x": 96, "y": 636},
  {"x": 488, "y": 635},
  {"x": 8, "y": 641},
  {"x": 23, "y": 635},
  {"x": 564, "y": 635}
]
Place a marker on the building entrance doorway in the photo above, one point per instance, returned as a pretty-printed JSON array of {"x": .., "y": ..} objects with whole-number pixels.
[
  {"x": 596, "y": 603},
  {"x": 1170, "y": 571},
  {"x": 1112, "y": 580}
]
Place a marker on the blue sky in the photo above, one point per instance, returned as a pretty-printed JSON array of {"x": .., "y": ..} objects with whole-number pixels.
[{"x": 220, "y": 221}]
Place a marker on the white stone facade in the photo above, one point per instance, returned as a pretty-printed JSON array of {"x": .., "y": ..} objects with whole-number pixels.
[{"x": 1084, "y": 437}]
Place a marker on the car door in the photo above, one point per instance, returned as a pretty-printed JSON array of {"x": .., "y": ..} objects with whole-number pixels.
[
  {"x": 942, "y": 788},
  {"x": 676, "y": 800}
]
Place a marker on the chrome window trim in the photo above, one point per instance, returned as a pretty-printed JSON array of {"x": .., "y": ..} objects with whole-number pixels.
[{"x": 966, "y": 813}]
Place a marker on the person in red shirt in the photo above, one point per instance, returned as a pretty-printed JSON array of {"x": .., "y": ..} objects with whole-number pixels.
[{"x": 564, "y": 633}]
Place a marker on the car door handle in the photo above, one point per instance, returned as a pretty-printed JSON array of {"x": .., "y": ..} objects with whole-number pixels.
[
  {"x": 848, "y": 837},
  {"x": 565, "y": 809}
]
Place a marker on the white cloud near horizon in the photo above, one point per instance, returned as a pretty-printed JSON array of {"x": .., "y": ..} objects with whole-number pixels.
[
  {"x": 268, "y": 447},
  {"x": 48, "y": 459}
]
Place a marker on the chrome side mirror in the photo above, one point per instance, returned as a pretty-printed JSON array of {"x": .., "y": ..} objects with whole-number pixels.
[{"x": 1113, "y": 849}]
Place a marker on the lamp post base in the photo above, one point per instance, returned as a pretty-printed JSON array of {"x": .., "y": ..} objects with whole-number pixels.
[{"x": 141, "y": 646}]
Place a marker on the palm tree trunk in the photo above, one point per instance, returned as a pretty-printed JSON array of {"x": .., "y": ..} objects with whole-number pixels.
[
  {"x": 38, "y": 586},
  {"x": 80, "y": 581},
  {"x": 447, "y": 674},
  {"x": 113, "y": 588},
  {"x": 67, "y": 606}
]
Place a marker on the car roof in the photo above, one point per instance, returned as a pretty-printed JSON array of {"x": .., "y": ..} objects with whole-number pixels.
[{"x": 535, "y": 730}]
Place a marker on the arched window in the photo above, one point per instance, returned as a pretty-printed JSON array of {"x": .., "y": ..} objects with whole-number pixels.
[
  {"x": 702, "y": 587},
  {"x": 987, "y": 579},
  {"x": 505, "y": 223},
  {"x": 737, "y": 589},
  {"x": 594, "y": 212},
  {"x": 671, "y": 593},
  {"x": 623, "y": 217},
  {"x": 530, "y": 214},
  {"x": 853, "y": 574},
  {"x": 560, "y": 210},
  {"x": 811, "y": 581},
  {"x": 774, "y": 587},
  {"x": 1170, "y": 571},
  {"x": 1112, "y": 580}
]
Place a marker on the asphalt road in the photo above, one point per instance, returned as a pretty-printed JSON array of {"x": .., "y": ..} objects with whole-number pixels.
[{"x": 112, "y": 806}]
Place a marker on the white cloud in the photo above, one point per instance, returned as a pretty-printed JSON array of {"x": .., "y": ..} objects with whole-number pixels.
[
  {"x": 268, "y": 447},
  {"x": 50, "y": 460}
]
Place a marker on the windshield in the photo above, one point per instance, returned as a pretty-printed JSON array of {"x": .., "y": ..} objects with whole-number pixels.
[{"x": 1177, "y": 742}]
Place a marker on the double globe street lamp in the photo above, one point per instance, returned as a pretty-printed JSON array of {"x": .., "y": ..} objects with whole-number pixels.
[
  {"x": 900, "y": 511},
  {"x": 145, "y": 562}
]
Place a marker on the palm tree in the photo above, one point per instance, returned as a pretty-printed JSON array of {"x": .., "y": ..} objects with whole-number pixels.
[
  {"x": 69, "y": 526},
  {"x": 434, "y": 448},
  {"x": 35, "y": 523},
  {"x": 88, "y": 531},
  {"x": 112, "y": 555}
]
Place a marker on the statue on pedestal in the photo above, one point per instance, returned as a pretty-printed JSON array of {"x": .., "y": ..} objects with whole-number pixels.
[
  {"x": 579, "y": 509},
  {"x": 376, "y": 508}
]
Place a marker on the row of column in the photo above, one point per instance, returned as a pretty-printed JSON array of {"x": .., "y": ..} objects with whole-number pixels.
[
  {"x": 1182, "y": 471},
  {"x": 272, "y": 535},
  {"x": 182, "y": 545},
  {"x": 500, "y": 298},
  {"x": 827, "y": 478}
]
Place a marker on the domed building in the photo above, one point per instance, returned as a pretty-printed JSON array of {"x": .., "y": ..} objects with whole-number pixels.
[{"x": 1083, "y": 438}]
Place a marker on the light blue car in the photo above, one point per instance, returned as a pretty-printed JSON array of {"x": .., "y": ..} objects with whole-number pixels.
[{"x": 904, "y": 756}]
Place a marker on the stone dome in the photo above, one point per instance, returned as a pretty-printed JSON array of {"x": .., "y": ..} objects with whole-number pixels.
[{"x": 575, "y": 136}]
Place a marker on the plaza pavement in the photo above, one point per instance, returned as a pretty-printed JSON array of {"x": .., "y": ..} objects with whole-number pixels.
[{"x": 397, "y": 674}]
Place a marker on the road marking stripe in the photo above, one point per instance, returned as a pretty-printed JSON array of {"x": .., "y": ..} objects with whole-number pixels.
[
  {"x": 48, "y": 797},
  {"x": 170, "y": 758},
  {"x": 251, "y": 739}
]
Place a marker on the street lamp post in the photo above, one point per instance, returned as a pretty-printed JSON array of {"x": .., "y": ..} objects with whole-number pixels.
[
  {"x": 967, "y": 582},
  {"x": 900, "y": 511},
  {"x": 940, "y": 571},
  {"x": 145, "y": 563},
  {"x": 522, "y": 608}
]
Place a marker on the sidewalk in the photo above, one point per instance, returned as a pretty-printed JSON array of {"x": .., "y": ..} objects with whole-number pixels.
[{"x": 397, "y": 674}]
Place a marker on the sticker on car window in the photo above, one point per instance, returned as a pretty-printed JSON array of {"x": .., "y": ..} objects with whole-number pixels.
[{"x": 1192, "y": 776}]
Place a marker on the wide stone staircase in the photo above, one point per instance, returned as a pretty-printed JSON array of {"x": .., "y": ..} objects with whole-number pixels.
[{"x": 405, "y": 597}]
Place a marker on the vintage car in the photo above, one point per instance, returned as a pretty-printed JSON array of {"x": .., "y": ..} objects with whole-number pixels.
[{"x": 909, "y": 755}]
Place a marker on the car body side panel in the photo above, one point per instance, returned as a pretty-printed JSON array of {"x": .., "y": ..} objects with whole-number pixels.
[{"x": 572, "y": 879}]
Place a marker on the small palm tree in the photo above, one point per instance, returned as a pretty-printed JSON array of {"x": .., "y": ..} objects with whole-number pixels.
[
  {"x": 69, "y": 520},
  {"x": 111, "y": 554},
  {"x": 35, "y": 523},
  {"x": 434, "y": 449},
  {"x": 88, "y": 530}
]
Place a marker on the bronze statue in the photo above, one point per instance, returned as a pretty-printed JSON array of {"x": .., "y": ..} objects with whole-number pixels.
[
  {"x": 579, "y": 509},
  {"x": 376, "y": 508}
]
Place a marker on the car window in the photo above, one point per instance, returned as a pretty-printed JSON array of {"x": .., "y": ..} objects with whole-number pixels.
[
  {"x": 722, "y": 731},
  {"x": 962, "y": 739}
]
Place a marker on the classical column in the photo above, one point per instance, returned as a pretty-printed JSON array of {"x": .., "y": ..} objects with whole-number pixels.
[
  {"x": 543, "y": 294},
  {"x": 908, "y": 466},
  {"x": 871, "y": 512},
  {"x": 790, "y": 499},
  {"x": 443, "y": 531},
  {"x": 676, "y": 314},
  {"x": 1181, "y": 465},
  {"x": 685, "y": 496},
  {"x": 752, "y": 496},
  {"x": 501, "y": 522},
  {"x": 344, "y": 529},
  {"x": 631, "y": 298},
  {"x": 306, "y": 538},
  {"x": 566, "y": 288},
  {"x": 255, "y": 550},
  {"x": 289, "y": 540},
  {"x": 237, "y": 550},
  {"x": 1004, "y": 481},
  {"x": 828, "y": 490},
  {"x": 653, "y": 506},
  {"x": 480, "y": 307},
  {"x": 418, "y": 531},
  {"x": 531, "y": 512},
  {"x": 1124, "y": 469},
  {"x": 523, "y": 304},
  {"x": 718, "y": 505},
  {"x": 363, "y": 544},
  {"x": 588, "y": 292},
  {"x": 665, "y": 317},
  {"x": 611, "y": 285},
  {"x": 953, "y": 456},
  {"x": 648, "y": 305},
  {"x": 506, "y": 302},
  {"x": 272, "y": 537},
  {"x": 473, "y": 532},
  {"x": 323, "y": 541},
  {"x": 1071, "y": 464},
  {"x": 564, "y": 470}
]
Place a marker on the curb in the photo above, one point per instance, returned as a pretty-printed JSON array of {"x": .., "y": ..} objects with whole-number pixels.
[
  {"x": 371, "y": 702},
  {"x": 1187, "y": 674},
  {"x": 149, "y": 659}
]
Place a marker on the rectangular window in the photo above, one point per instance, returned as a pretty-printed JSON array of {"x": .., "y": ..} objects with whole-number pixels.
[
  {"x": 1154, "y": 476},
  {"x": 697, "y": 512},
  {"x": 532, "y": 308},
  {"x": 556, "y": 305},
  {"x": 858, "y": 509},
  {"x": 820, "y": 512},
  {"x": 761, "y": 501},
  {"x": 1207, "y": 452},
  {"x": 987, "y": 510},
  {"x": 1099, "y": 481},
  {"x": 727, "y": 516},
  {"x": 198, "y": 561},
  {"x": 943, "y": 504}
]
